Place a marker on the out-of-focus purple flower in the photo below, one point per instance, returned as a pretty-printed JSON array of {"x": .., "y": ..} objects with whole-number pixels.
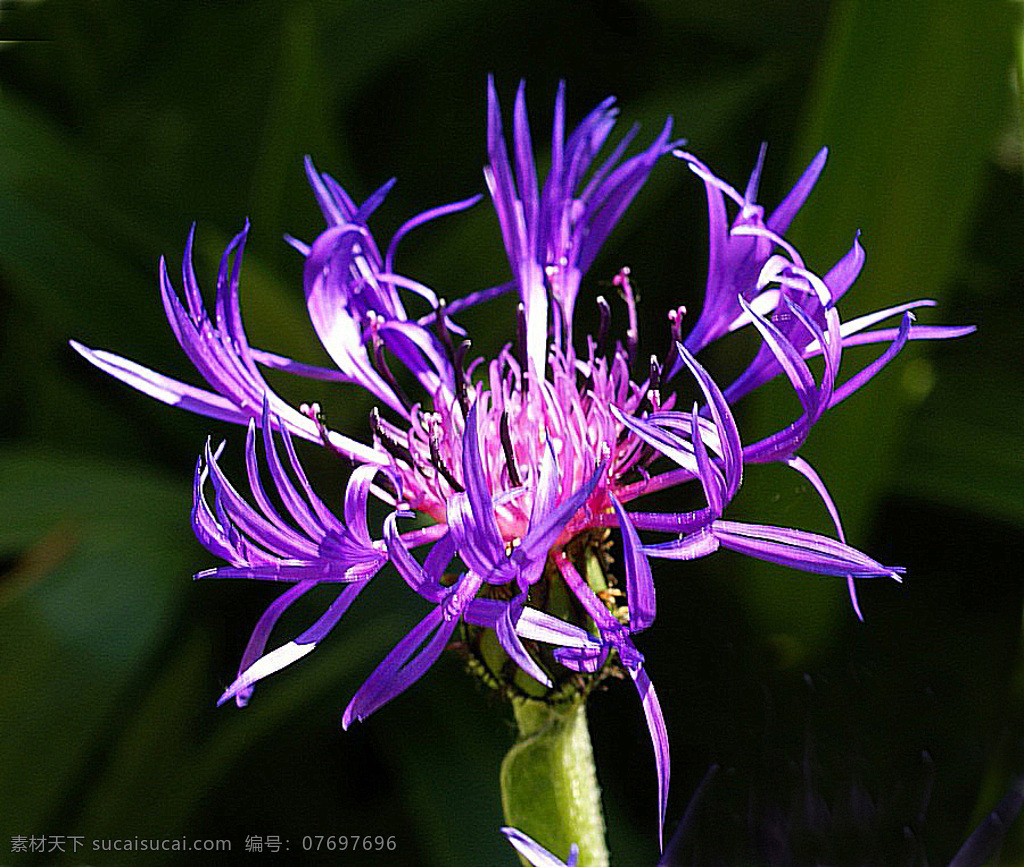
[
  {"x": 779, "y": 824},
  {"x": 858, "y": 830},
  {"x": 516, "y": 468}
]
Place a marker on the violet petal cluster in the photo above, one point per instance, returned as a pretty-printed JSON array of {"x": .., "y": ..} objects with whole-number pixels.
[{"x": 507, "y": 463}]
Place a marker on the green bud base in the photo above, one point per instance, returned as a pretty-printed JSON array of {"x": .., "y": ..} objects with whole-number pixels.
[{"x": 549, "y": 784}]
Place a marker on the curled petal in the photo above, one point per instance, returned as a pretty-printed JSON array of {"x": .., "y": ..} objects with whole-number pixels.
[
  {"x": 809, "y": 473},
  {"x": 416, "y": 576},
  {"x": 340, "y": 332},
  {"x": 514, "y": 648},
  {"x": 261, "y": 632},
  {"x": 539, "y": 626},
  {"x": 668, "y": 444},
  {"x": 585, "y": 660},
  {"x": 220, "y": 351},
  {"x": 843, "y": 274},
  {"x": 414, "y": 654},
  {"x": 357, "y": 495},
  {"x": 420, "y": 219},
  {"x": 403, "y": 666},
  {"x": 285, "y": 655},
  {"x": 261, "y": 545},
  {"x": 552, "y": 238},
  {"x": 788, "y": 359},
  {"x": 867, "y": 373}
]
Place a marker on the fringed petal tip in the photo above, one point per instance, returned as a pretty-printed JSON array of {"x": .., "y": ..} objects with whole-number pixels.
[
  {"x": 347, "y": 717},
  {"x": 854, "y": 601},
  {"x": 536, "y": 854}
]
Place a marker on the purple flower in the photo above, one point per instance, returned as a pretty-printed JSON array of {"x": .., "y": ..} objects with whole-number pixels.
[
  {"x": 517, "y": 467},
  {"x": 771, "y": 833}
]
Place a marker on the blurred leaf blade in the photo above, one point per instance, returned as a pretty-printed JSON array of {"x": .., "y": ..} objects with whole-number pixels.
[
  {"x": 907, "y": 171},
  {"x": 75, "y": 639},
  {"x": 892, "y": 89}
]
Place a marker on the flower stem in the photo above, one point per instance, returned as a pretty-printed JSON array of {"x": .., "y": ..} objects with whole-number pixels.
[{"x": 549, "y": 781}]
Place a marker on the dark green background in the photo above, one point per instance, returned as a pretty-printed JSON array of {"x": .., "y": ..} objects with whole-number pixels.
[{"x": 122, "y": 122}]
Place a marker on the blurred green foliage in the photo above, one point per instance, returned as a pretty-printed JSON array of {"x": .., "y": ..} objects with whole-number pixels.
[{"x": 121, "y": 123}]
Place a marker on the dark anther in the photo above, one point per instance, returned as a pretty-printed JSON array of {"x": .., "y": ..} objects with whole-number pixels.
[
  {"x": 510, "y": 458},
  {"x": 388, "y": 439},
  {"x": 315, "y": 414},
  {"x": 655, "y": 373},
  {"x": 630, "y": 297},
  {"x": 604, "y": 308},
  {"x": 456, "y": 355},
  {"x": 379, "y": 362},
  {"x": 441, "y": 327},
  {"x": 461, "y": 378},
  {"x": 648, "y": 455},
  {"x": 438, "y": 464},
  {"x": 675, "y": 325}
]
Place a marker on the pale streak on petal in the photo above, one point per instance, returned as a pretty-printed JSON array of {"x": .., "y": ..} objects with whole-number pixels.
[{"x": 265, "y": 666}]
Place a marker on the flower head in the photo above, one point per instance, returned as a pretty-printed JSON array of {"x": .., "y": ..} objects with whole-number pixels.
[{"x": 516, "y": 468}]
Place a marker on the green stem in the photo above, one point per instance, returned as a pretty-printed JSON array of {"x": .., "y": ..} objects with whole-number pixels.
[{"x": 549, "y": 782}]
